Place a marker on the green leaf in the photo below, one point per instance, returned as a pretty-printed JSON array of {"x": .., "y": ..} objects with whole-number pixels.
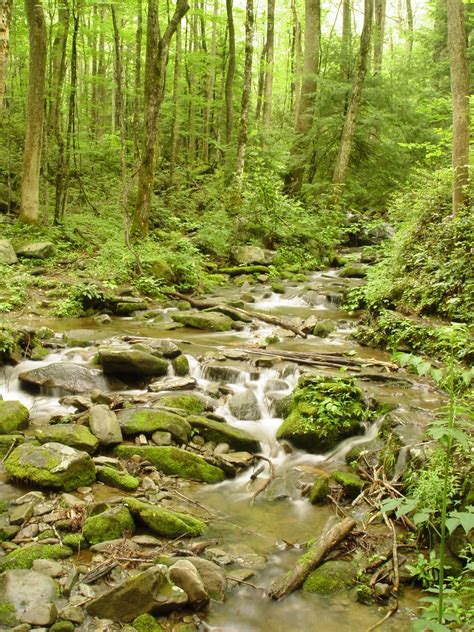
[
  {"x": 423, "y": 368},
  {"x": 420, "y": 517}
]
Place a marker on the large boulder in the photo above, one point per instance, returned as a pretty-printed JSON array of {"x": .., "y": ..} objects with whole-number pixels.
[
  {"x": 27, "y": 596},
  {"x": 110, "y": 524},
  {"x": 161, "y": 346},
  {"x": 174, "y": 461},
  {"x": 245, "y": 406},
  {"x": 140, "y": 420},
  {"x": 131, "y": 362},
  {"x": 25, "y": 556},
  {"x": 185, "y": 575},
  {"x": 244, "y": 255},
  {"x": 83, "y": 337},
  {"x": 13, "y": 416},
  {"x": 331, "y": 577},
  {"x": 66, "y": 376},
  {"x": 104, "y": 425},
  {"x": 221, "y": 432},
  {"x": 323, "y": 412},
  {"x": 36, "y": 250},
  {"x": 51, "y": 465},
  {"x": 165, "y": 522},
  {"x": 7, "y": 253},
  {"x": 209, "y": 321},
  {"x": 73, "y": 435},
  {"x": 150, "y": 591},
  {"x": 189, "y": 404}
]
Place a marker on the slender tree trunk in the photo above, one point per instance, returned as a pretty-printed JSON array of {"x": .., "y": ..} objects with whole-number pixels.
[
  {"x": 379, "y": 32},
  {"x": 118, "y": 92},
  {"x": 5, "y": 17},
  {"x": 138, "y": 78},
  {"x": 410, "y": 28},
  {"x": 346, "y": 42},
  {"x": 100, "y": 92},
  {"x": 298, "y": 56},
  {"x": 155, "y": 68},
  {"x": 345, "y": 147},
  {"x": 229, "y": 81},
  {"x": 459, "y": 72},
  {"x": 30, "y": 181},
  {"x": 244, "y": 114},
  {"x": 211, "y": 79},
  {"x": 174, "y": 113},
  {"x": 261, "y": 81},
  {"x": 270, "y": 55}
]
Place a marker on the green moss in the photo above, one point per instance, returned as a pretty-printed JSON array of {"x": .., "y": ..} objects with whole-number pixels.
[
  {"x": 191, "y": 404},
  {"x": 108, "y": 525},
  {"x": 351, "y": 483},
  {"x": 324, "y": 328},
  {"x": 278, "y": 287},
  {"x": 209, "y": 321},
  {"x": 174, "y": 461},
  {"x": 7, "y": 614},
  {"x": 48, "y": 533},
  {"x": 319, "y": 490},
  {"x": 73, "y": 435},
  {"x": 331, "y": 577},
  {"x": 220, "y": 432},
  {"x": 115, "y": 478},
  {"x": 181, "y": 365},
  {"x": 146, "y": 623},
  {"x": 350, "y": 271},
  {"x": 6, "y": 442},
  {"x": 164, "y": 522},
  {"x": 24, "y": 557},
  {"x": 62, "y": 626},
  {"x": 148, "y": 420},
  {"x": 13, "y": 416},
  {"x": 39, "y": 353}
]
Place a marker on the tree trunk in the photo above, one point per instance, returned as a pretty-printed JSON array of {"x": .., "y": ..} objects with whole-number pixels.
[
  {"x": 118, "y": 92},
  {"x": 459, "y": 72},
  {"x": 5, "y": 17},
  {"x": 211, "y": 79},
  {"x": 410, "y": 28},
  {"x": 244, "y": 115},
  {"x": 175, "y": 117},
  {"x": 261, "y": 82},
  {"x": 229, "y": 118},
  {"x": 138, "y": 74},
  {"x": 346, "y": 41},
  {"x": 298, "y": 56},
  {"x": 29, "y": 192},
  {"x": 345, "y": 147},
  {"x": 379, "y": 32},
  {"x": 156, "y": 60},
  {"x": 270, "y": 54}
]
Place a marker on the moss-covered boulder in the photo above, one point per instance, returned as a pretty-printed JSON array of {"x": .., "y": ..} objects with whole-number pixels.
[
  {"x": 140, "y": 420},
  {"x": 7, "y": 440},
  {"x": 331, "y": 577},
  {"x": 323, "y": 328},
  {"x": 323, "y": 412},
  {"x": 190, "y": 404},
  {"x": 110, "y": 524},
  {"x": 319, "y": 490},
  {"x": 117, "y": 478},
  {"x": 51, "y": 465},
  {"x": 181, "y": 365},
  {"x": 67, "y": 376},
  {"x": 131, "y": 362},
  {"x": 353, "y": 272},
  {"x": 209, "y": 321},
  {"x": 26, "y": 555},
  {"x": 165, "y": 522},
  {"x": 174, "y": 461},
  {"x": 350, "y": 482},
  {"x": 221, "y": 432},
  {"x": 31, "y": 596},
  {"x": 146, "y": 623},
  {"x": 13, "y": 416},
  {"x": 73, "y": 435}
]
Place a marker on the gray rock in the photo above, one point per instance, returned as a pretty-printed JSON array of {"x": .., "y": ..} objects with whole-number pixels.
[
  {"x": 185, "y": 575},
  {"x": 30, "y": 596},
  {"x": 104, "y": 425},
  {"x": 138, "y": 420},
  {"x": 173, "y": 384},
  {"x": 13, "y": 416},
  {"x": 73, "y": 435},
  {"x": 213, "y": 577},
  {"x": 221, "y": 432},
  {"x": 131, "y": 362},
  {"x": 66, "y": 376},
  {"x": 166, "y": 348},
  {"x": 36, "y": 250},
  {"x": 245, "y": 406},
  {"x": 162, "y": 438},
  {"x": 83, "y": 337},
  {"x": 245, "y": 255},
  {"x": 48, "y": 567},
  {"x": 22, "y": 512},
  {"x": 208, "y": 321},
  {"x": 7, "y": 253}
]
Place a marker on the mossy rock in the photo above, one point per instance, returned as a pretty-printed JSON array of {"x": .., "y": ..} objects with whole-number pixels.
[
  {"x": 278, "y": 287},
  {"x": 323, "y": 328},
  {"x": 350, "y": 482},
  {"x": 331, "y": 577},
  {"x": 319, "y": 490},
  {"x": 164, "y": 522},
  {"x": 174, "y": 461},
  {"x": 25, "y": 556},
  {"x": 62, "y": 626},
  {"x": 39, "y": 353},
  {"x": 73, "y": 435},
  {"x": 7, "y": 440},
  {"x": 116, "y": 478},
  {"x": 139, "y": 420},
  {"x": 13, "y": 416},
  {"x": 208, "y": 321},
  {"x": 131, "y": 362},
  {"x": 191, "y": 404},
  {"x": 75, "y": 541},
  {"x": 323, "y": 412},
  {"x": 181, "y": 365},
  {"x": 110, "y": 524},
  {"x": 7, "y": 614},
  {"x": 221, "y": 432},
  {"x": 51, "y": 465},
  {"x": 146, "y": 623},
  {"x": 353, "y": 272}
]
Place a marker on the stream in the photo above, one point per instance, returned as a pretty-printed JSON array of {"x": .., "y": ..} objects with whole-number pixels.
[{"x": 259, "y": 534}]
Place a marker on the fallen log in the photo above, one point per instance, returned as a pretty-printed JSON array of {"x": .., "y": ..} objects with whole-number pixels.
[
  {"x": 313, "y": 557},
  {"x": 237, "y": 270}
]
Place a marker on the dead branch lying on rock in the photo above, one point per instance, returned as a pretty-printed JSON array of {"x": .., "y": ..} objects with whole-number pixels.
[{"x": 269, "y": 479}]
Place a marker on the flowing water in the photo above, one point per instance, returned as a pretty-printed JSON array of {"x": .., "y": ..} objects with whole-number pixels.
[{"x": 263, "y": 535}]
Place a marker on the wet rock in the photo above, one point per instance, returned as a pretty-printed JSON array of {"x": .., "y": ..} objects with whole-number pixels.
[
  {"x": 20, "y": 513},
  {"x": 108, "y": 525},
  {"x": 190, "y": 404},
  {"x": 145, "y": 623},
  {"x": 350, "y": 482},
  {"x": 174, "y": 461},
  {"x": 25, "y": 556},
  {"x": 13, "y": 416},
  {"x": 116, "y": 478},
  {"x": 319, "y": 490},
  {"x": 99, "y": 397},
  {"x": 51, "y": 465},
  {"x": 27, "y": 597},
  {"x": 161, "y": 346},
  {"x": 83, "y": 337},
  {"x": 138, "y": 420},
  {"x": 79, "y": 402},
  {"x": 331, "y": 577},
  {"x": 48, "y": 567},
  {"x": 222, "y": 373},
  {"x": 102, "y": 319},
  {"x": 147, "y": 592},
  {"x": 353, "y": 272},
  {"x": 73, "y": 435},
  {"x": 67, "y": 376},
  {"x": 237, "y": 460},
  {"x": 213, "y": 577},
  {"x": 276, "y": 385},
  {"x": 209, "y": 321},
  {"x": 7, "y": 253},
  {"x": 245, "y": 406},
  {"x": 162, "y": 438},
  {"x": 185, "y": 575},
  {"x": 131, "y": 362},
  {"x": 173, "y": 384},
  {"x": 221, "y": 448},
  {"x": 104, "y": 425},
  {"x": 9, "y": 440},
  {"x": 245, "y": 255},
  {"x": 36, "y": 250},
  {"x": 324, "y": 328},
  {"x": 221, "y": 432},
  {"x": 165, "y": 522},
  {"x": 181, "y": 365}
]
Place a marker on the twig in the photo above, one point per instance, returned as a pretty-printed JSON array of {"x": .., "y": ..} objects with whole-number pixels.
[
  {"x": 391, "y": 612},
  {"x": 10, "y": 450},
  {"x": 243, "y": 581},
  {"x": 189, "y": 500},
  {"x": 268, "y": 481}
]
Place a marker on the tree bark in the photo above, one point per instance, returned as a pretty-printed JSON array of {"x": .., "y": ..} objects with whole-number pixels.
[
  {"x": 346, "y": 41},
  {"x": 459, "y": 72},
  {"x": 379, "y": 33},
  {"x": 211, "y": 79},
  {"x": 5, "y": 18},
  {"x": 297, "y": 63},
  {"x": 138, "y": 77},
  {"x": 30, "y": 181},
  {"x": 350, "y": 123},
  {"x": 410, "y": 29},
  {"x": 244, "y": 115},
  {"x": 155, "y": 67},
  {"x": 229, "y": 81},
  {"x": 175, "y": 117},
  {"x": 118, "y": 92},
  {"x": 269, "y": 62}
]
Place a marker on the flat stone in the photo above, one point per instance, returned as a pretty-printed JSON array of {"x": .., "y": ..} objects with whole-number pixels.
[
  {"x": 131, "y": 362},
  {"x": 221, "y": 432},
  {"x": 67, "y": 376},
  {"x": 7, "y": 252},
  {"x": 73, "y": 435},
  {"x": 48, "y": 567},
  {"x": 104, "y": 425},
  {"x": 31, "y": 597},
  {"x": 36, "y": 250},
  {"x": 173, "y": 384}
]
